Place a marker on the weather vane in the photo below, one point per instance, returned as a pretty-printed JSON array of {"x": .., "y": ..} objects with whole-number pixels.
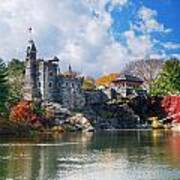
[{"x": 30, "y": 33}]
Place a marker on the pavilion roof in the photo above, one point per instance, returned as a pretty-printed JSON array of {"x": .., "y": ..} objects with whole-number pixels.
[{"x": 127, "y": 77}]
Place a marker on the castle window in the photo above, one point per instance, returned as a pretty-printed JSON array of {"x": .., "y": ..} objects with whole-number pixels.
[
  {"x": 50, "y": 84},
  {"x": 39, "y": 84},
  {"x": 66, "y": 84},
  {"x": 72, "y": 85},
  {"x": 51, "y": 73}
]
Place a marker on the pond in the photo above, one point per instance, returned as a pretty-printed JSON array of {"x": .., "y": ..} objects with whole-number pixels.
[{"x": 120, "y": 155}]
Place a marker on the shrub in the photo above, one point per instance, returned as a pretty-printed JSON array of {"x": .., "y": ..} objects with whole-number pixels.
[
  {"x": 25, "y": 113},
  {"x": 171, "y": 106}
]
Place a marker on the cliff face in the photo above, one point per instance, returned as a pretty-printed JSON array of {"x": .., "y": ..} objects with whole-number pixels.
[
  {"x": 100, "y": 113},
  {"x": 166, "y": 108},
  {"x": 111, "y": 116},
  {"x": 103, "y": 113},
  {"x": 95, "y": 116}
]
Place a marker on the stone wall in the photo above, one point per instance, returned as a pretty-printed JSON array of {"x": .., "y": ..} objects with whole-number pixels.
[
  {"x": 72, "y": 93},
  {"x": 95, "y": 97},
  {"x": 51, "y": 89},
  {"x": 41, "y": 77}
]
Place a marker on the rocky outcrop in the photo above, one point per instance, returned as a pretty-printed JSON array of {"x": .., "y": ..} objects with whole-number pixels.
[
  {"x": 94, "y": 116},
  {"x": 147, "y": 107},
  {"x": 78, "y": 122},
  {"x": 70, "y": 121},
  {"x": 56, "y": 112},
  {"x": 95, "y": 97},
  {"x": 112, "y": 116}
]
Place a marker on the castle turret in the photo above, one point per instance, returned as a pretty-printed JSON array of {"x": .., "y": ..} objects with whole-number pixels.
[
  {"x": 31, "y": 50},
  {"x": 70, "y": 69},
  {"x": 31, "y": 90}
]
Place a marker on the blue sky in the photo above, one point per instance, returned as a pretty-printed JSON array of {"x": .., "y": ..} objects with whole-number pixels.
[
  {"x": 95, "y": 36},
  {"x": 168, "y": 13}
]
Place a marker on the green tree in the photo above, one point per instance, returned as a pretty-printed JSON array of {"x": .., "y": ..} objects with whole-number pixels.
[
  {"x": 15, "y": 77},
  {"x": 168, "y": 81},
  {"x": 3, "y": 86}
]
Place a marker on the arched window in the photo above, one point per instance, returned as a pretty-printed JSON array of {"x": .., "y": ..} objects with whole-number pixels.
[
  {"x": 50, "y": 84},
  {"x": 59, "y": 84}
]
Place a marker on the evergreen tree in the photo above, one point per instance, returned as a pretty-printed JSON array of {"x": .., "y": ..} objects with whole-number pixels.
[
  {"x": 15, "y": 77},
  {"x": 3, "y": 86}
]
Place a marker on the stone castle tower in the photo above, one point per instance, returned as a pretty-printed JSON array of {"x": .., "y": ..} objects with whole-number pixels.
[
  {"x": 31, "y": 91},
  {"x": 44, "y": 82}
]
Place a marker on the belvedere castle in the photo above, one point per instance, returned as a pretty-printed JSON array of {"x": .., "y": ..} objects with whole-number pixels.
[{"x": 44, "y": 81}]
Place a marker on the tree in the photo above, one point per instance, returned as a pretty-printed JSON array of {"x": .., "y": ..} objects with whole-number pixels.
[
  {"x": 106, "y": 79},
  {"x": 89, "y": 83},
  {"x": 147, "y": 70},
  {"x": 168, "y": 81},
  {"x": 3, "y": 86},
  {"x": 171, "y": 106},
  {"x": 27, "y": 113},
  {"x": 15, "y": 77}
]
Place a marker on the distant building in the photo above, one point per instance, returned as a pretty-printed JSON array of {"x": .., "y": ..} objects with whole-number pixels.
[
  {"x": 44, "y": 81},
  {"x": 127, "y": 85},
  {"x": 120, "y": 85},
  {"x": 127, "y": 81}
]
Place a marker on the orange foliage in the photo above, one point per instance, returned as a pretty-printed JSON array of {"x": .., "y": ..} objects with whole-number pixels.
[
  {"x": 23, "y": 113},
  {"x": 106, "y": 79}
]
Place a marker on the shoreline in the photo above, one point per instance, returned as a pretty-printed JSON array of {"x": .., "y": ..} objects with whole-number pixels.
[{"x": 48, "y": 133}]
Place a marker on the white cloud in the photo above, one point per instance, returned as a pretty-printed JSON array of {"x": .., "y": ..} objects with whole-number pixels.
[
  {"x": 139, "y": 46},
  {"x": 114, "y": 58},
  {"x": 147, "y": 21},
  {"x": 176, "y": 56},
  {"x": 119, "y": 2},
  {"x": 162, "y": 55},
  {"x": 171, "y": 45},
  {"x": 66, "y": 28},
  {"x": 76, "y": 31},
  {"x": 140, "y": 40}
]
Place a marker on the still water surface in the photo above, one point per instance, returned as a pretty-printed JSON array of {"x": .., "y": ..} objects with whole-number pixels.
[{"x": 124, "y": 155}]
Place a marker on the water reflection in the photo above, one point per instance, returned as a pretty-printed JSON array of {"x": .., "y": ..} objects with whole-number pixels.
[
  {"x": 173, "y": 149},
  {"x": 107, "y": 155}
]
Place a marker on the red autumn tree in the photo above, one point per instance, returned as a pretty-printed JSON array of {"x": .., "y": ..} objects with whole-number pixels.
[
  {"x": 23, "y": 113},
  {"x": 171, "y": 106}
]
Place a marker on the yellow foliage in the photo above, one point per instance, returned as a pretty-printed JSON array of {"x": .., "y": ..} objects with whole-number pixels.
[
  {"x": 89, "y": 84},
  {"x": 107, "y": 79}
]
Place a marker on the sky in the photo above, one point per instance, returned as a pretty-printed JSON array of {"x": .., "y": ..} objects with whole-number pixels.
[{"x": 95, "y": 36}]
